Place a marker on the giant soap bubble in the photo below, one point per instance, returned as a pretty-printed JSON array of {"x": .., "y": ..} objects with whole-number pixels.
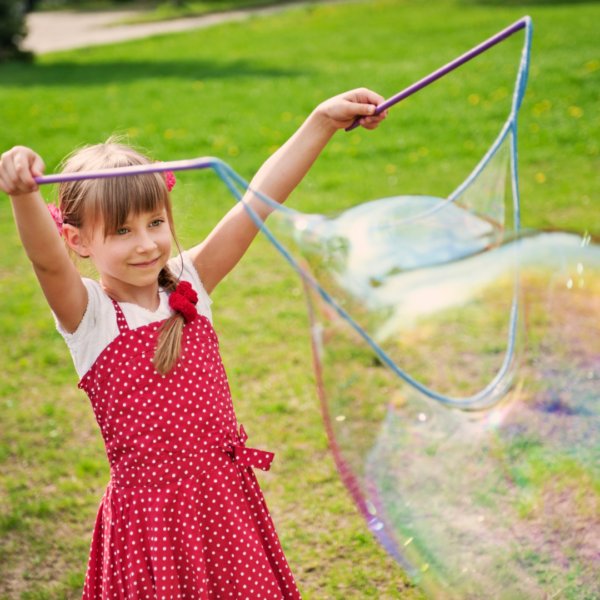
[{"x": 458, "y": 366}]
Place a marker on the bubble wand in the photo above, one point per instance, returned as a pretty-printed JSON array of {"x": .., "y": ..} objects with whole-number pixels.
[{"x": 461, "y": 60}]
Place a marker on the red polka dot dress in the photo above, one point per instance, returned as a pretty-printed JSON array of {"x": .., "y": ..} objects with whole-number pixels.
[{"x": 183, "y": 516}]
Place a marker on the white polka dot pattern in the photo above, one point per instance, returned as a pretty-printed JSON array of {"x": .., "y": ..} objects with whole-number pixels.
[{"x": 183, "y": 517}]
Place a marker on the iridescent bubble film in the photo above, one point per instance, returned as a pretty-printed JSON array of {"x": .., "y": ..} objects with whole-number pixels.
[
  {"x": 458, "y": 366},
  {"x": 493, "y": 496}
]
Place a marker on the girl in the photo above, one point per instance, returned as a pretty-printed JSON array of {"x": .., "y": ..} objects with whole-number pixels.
[{"x": 183, "y": 516}]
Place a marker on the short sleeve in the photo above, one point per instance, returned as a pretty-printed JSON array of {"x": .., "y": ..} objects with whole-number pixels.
[
  {"x": 183, "y": 268},
  {"x": 98, "y": 328}
]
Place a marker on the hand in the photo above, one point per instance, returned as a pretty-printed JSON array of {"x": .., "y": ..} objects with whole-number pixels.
[
  {"x": 18, "y": 167},
  {"x": 341, "y": 111}
]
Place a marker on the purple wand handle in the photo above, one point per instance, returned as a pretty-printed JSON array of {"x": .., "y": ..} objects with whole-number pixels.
[
  {"x": 461, "y": 60},
  {"x": 160, "y": 167}
]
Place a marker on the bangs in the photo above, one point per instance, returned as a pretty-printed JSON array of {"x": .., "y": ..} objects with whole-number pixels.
[{"x": 111, "y": 202}]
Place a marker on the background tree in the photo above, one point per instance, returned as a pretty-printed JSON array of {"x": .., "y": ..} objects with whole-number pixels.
[{"x": 12, "y": 30}]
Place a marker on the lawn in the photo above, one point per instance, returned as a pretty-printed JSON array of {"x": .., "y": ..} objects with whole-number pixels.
[{"x": 238, "y": 91}]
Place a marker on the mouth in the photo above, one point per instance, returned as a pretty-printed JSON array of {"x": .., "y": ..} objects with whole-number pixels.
[{"x": 145, "y": 265}]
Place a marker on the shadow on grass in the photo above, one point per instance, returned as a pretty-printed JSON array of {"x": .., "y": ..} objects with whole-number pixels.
[{"x": 97, "y": 73}]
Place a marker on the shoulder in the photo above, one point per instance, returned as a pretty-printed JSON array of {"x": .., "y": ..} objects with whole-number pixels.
[
  {"x": 96, "y": 330},
  {"x": 183, "y": 268}
]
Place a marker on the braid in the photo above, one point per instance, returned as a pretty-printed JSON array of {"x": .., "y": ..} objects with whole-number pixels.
[
  {"x": 168, "y": 349},
  {"x": 167, "y": 280}
]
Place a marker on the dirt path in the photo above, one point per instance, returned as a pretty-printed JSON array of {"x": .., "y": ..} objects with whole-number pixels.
[{"x": 52, "y": 31}]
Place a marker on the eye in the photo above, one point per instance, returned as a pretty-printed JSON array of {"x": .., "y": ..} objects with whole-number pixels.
[
  {"x": 122, "y": 231},
  {"x": 156, "y": 223}
]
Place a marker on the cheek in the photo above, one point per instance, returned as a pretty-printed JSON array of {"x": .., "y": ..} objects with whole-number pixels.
[{"x": 166, "y": 240}]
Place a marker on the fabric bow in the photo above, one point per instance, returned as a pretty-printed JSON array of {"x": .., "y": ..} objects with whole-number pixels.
[
  {"x": 184, "y": 300},
  {"x": 235, "y": 445}
]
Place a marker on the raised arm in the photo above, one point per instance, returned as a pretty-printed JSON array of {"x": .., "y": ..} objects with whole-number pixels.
[
  {"x": 277, "y": 178},
  {"x": 58, "y": 277}
]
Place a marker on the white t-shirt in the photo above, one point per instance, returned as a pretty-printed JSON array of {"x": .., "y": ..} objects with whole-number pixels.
[{"x": 99, "y": 328}]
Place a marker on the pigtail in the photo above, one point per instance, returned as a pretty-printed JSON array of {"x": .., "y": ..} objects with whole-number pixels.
[{"x": 168, "y": 349}]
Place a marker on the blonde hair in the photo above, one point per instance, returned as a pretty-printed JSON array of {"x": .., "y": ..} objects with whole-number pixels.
[{"x": 109, "y": 202}]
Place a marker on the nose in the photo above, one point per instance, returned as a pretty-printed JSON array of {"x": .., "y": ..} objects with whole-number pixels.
[{"x": 145, "y": 243}]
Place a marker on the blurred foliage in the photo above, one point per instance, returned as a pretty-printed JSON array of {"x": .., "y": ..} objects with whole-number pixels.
[{"x": 12, "y": 30}]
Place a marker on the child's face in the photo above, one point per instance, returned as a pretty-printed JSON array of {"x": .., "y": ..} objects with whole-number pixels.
[{"x": 136, "y": 253}]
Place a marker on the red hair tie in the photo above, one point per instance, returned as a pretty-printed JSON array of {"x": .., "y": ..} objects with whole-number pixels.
[
  {"x": 57, "y": 216},
  {"x": 168, "y": 177},
  {"x": 184, "y": 300}
]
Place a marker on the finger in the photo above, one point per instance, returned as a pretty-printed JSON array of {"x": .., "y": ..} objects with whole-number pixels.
[
  {"x": 10, "y": 174},
  {"x": 4, "y": 185},
  {"x": 368, "y": 96},
  {"x": 369, "y": 123},
  {"x": 38, "y": 167},
  {"x": 23, "y": 172},
  {"x": 361, "y": 110}
]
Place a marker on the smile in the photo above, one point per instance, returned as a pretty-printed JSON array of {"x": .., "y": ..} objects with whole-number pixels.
[{"x": 146, "y": 264}]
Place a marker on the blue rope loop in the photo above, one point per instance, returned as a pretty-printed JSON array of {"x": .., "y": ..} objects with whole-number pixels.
[{"x": 496, "y": 388}]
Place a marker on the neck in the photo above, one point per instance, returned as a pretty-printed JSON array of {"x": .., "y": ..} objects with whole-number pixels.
[{"x": 146, "y": 297}]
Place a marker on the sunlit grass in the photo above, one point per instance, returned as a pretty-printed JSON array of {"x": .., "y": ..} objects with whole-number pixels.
[{"x": 237, "y": 92}]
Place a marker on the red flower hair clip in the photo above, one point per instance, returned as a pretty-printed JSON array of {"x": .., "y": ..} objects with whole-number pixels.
[
  {"x": 184, "y": 300},
  {"x": 57, "y": 216},
  {"x": 169, "y": 177}
]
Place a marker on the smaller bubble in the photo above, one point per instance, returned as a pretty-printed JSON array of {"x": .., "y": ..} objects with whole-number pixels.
[
  {"x": 579, "y": 268},
  {"x": 340, "y": 418},
  {"x": 473, "y": 99},
  {"x": 569, "y": 284},
  {"x": 422, "y": 417},
  {"x": 393, "y": 180}
]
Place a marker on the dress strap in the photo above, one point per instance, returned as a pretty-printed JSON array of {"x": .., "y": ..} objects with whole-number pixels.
[{"x": 121, "y": 320}]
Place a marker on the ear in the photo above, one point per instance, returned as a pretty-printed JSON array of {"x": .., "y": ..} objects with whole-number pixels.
[{"x": 74, "y": 238}]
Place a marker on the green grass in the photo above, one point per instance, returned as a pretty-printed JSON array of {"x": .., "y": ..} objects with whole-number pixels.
[{"x": 237, "y": 92}]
